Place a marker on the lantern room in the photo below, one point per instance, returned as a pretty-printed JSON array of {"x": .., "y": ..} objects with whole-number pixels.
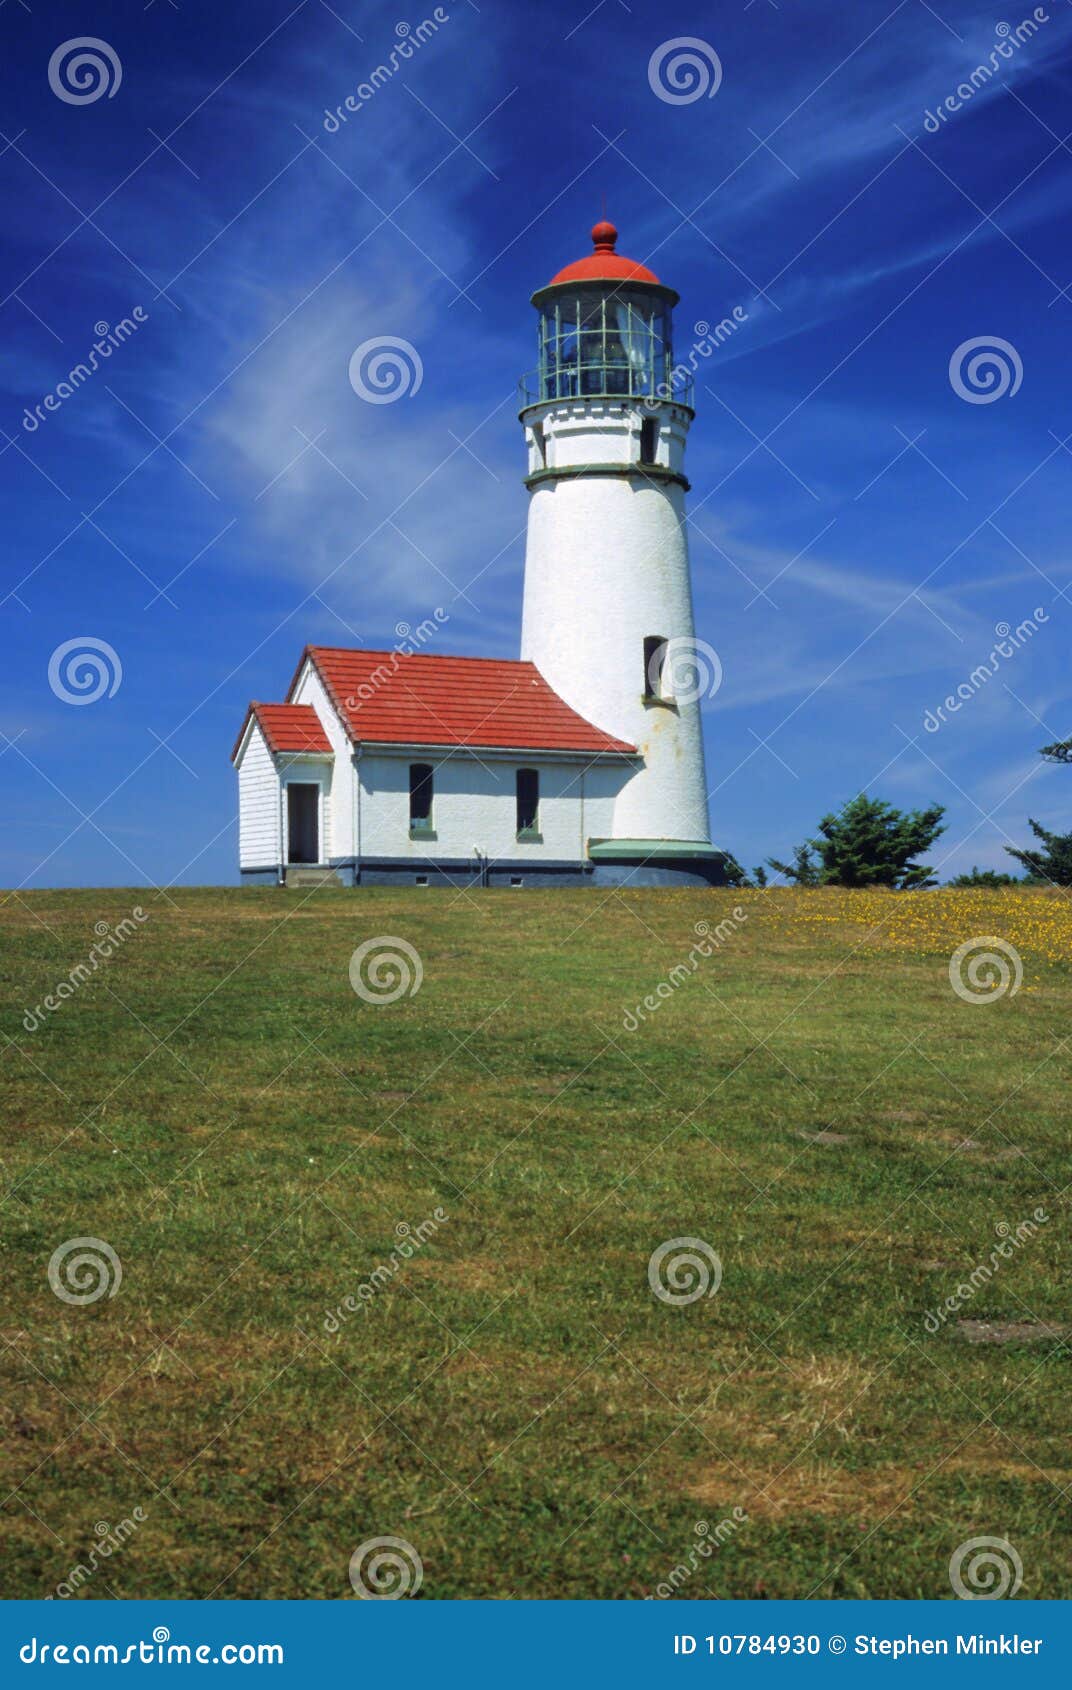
[{"x": 605, "y": 331}]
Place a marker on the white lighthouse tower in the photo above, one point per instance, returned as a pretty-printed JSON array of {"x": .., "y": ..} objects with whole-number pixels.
[{"x": 608, "y": 617}]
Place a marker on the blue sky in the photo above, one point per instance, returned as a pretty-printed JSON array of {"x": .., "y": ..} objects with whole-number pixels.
[{"x": 217, "y": 495}]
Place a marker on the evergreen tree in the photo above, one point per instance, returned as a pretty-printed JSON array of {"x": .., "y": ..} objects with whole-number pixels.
[
  {"x": 736, "y": 876},
  {"x": 1059, "y": 752},
  {"x": 804, "y": 869},
  {"x": 1054, "y": 863},
  {"x": 987, "y": 877},
  {"x": 734, "y": 873},
  {"x": 868, "y": 843}
]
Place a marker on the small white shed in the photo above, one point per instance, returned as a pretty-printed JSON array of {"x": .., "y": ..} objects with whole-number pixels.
[{"x": 391, "y": 767}]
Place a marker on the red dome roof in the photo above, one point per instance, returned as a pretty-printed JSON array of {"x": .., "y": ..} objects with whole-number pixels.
[{"x": 604, "y": 264}]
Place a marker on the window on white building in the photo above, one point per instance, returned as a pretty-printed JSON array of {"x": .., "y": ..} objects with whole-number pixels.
[
  {"x": 649, "y": 439},
  {"x": 420, "y": 797},
  {"x": 528, "y": 803}
]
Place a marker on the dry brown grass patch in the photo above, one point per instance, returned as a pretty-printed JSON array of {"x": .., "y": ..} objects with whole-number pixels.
[
  {"x": 471, "y": 1273},
  {"x": 810, "y": 1488}
]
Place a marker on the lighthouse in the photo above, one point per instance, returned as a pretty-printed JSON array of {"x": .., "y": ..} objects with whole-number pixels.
[
  {"x": 581, "y": 762},
  {"x": 608, "y": 615}
]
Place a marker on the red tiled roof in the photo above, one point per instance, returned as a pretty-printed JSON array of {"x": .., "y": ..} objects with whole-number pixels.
[
  {"x": 287, "y": 727},
  {"x": 389, "y": 698}
]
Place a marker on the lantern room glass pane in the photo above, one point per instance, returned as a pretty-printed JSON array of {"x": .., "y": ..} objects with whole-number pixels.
[{"x": 595, "y": 342}]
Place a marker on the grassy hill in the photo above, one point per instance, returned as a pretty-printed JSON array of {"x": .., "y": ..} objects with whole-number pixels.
[{"x": 485, "y": 1167}]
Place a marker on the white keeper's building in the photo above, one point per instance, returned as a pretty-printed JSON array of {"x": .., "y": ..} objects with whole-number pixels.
[{"x": 582, "y": 762}]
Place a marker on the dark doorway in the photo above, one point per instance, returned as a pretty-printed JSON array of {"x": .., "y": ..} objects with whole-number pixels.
[{"x": 303, "y": 830}]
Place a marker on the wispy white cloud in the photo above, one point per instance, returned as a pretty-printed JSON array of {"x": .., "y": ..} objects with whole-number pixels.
[{"x": 392, "y": 509}]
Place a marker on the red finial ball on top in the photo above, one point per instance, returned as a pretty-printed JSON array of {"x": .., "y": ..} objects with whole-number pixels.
[{"x": 605, "y": 264}]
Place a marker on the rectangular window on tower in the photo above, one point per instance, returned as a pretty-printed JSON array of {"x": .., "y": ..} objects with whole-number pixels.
[
  {"x": 528, "y": 804},
  {"x": 654, "y": 665},
  {"x": 649, "y": 439},
  {"x": 420, "y": 800}
]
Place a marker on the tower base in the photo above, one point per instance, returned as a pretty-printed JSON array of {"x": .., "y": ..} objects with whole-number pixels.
[{"x": 657, "y": 862}]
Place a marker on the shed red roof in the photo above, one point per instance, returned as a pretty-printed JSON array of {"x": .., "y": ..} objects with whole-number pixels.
[
  {"x": 388, "y": 698},
  {"x": 604, "y": 264},
  {"x": 287, "y": 727}
]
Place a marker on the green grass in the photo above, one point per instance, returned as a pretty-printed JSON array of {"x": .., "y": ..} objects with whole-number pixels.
[{"x": 219, "y": 1106}]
